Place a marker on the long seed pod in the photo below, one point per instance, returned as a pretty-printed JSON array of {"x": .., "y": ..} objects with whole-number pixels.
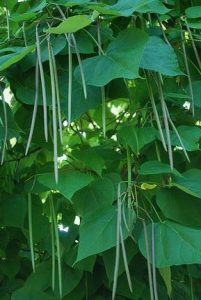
[
  {"x": 193, "y": 44},
  {"x": 153, "y": 261},
  {"x": 70, "y": 80},
  {"x": 102, "y": 88},
  {"x": 188, "y": 73},
  {"x": 117, "y": 256},
  {"x": 5, "y": 123},
  {"x": 177, "y": 134},
  {"x": 53, "y": 251},
  {"x": 54, "y": 110},
  {"x": 125, "y": 261},
  {"x": 80, "y": 65},
  {"x": 33, "y": 121},
  {"x": 148, "y": 261},
  {"x": 31, "y": 242},
  {"x": 42, "y": 78},
  {"x": 151, "y": 96},
  {"x": 165, "y": 118},
  {"x": 56, "y": 232},
  {"x": 58, "y": 98}
]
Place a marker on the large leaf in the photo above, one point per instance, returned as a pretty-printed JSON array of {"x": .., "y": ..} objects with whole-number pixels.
[
  {"x": 196, "y": 86},
  {"x": 13, "y": 210},
  {"x": 189, "y": 182},
  {"x": 90, "y": 159},
  {"x": 156, "y": 167},
  {"x": 174, "y": 244},
  {"x": 190, "y": 136},
  {"x": 72, "y": 24},
  {"x": 179, "y": 206},
  {"x": 136, "y": 138},
  {"x": 69, "y": 182},
  {"x": 99, "y": 193},
  {"x": 160, "y": 57},
  {"x": 16, "y": 55},
  {"x": 128, "y": 7},
  {"x": 121, "y": 59},
  {"x": 98, "y": 232},
  {"x": 31, "y": 294},
  {"x": 193, "y": 12}
]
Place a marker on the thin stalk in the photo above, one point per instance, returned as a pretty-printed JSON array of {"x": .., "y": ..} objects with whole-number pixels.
[
  {"x": 58, "y": 98},
  {"x": 53, "y": 253},
  {"x": 193, "y": 44},
  {"x": 117, "y": 256},
  {"x": 129, "y": 170},
  {"x": 31, "y": 232},
  {"x": 42, "y": 78},
  {"x": 33, "y": 121},
  {"x": 54, "y": 110},
  {"x": 94, "y": 40},
  {"x": 102, "y": 88},
  {"x": 188, "y": 73},
  {"x": 54, "y": 218},
  {"x": 125, "y": 261},
  {"x": 77, "y": 53},
  {"x": 5, "y": 125},
  {"x": 154, "y": 262},
  {"x": 148, "y": 261},
  {"x": 24, "y": 34},
  {"x": 177, "y": 134},
  {"x": 191, "y": 287},
  {"x": 7, "y": 22},
  {"x": 167, "y": 130},
  {"x": 151, "y": 96},
  {"x": 163, "y": 32},
  {"x": 80, "y": 65},
  {"x": 70, "y": 81}
]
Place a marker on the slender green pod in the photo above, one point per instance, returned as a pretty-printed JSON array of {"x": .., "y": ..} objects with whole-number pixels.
[
  {"x": 31, "y": 242},
  {"x": 5, "y": 123},
  {"x": 54, "y": 109},
  {"x": 58, "y": 100},
  {"x": 33, "y": 121},
  {"x": 56, "y": 232},
  {"x": 42, "y": 78},
  {"x": 188, "y": 73}
]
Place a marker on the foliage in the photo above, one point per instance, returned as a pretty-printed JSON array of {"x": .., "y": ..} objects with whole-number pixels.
[{"x": 100, "y": 123}]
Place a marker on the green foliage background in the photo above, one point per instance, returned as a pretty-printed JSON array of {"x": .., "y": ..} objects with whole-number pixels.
[{"x": 123, "y": 107}]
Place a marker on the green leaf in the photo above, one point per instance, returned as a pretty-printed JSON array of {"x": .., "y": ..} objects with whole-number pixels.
[
  {"x": 98, "y": 232},
  {"x": 99, "y": 193},
  {"x": 189, "y": 182},
  {"x": 190, "y": 136},
  {"x": 167, "y": 278},
  {"x": 41, "y": 279},
  {"x": 69, "y": 182},
  {"x": 128, "y": 7},
  {"x": 70, "y": 278},
  {"x": 156, "y": 167},
  {"x": 160, "y": 57},
  {"x": 196, "y": 86},
  {"x": 22, "y": 17},
  {"x": 179, "y": 206},
  {"x": 136, "y": 138},
  {"x": 90, "y": 159},
  {"x": 72, "y": 24},
  {"x": 174, "y": 244},
  {"x": 193, "y": 12},
  {"x": 13, "y": 210},
  {"x": 18, "y": 54},
  {"x": 121, "y": 59},
  {"x": 31, "y": 294}
]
